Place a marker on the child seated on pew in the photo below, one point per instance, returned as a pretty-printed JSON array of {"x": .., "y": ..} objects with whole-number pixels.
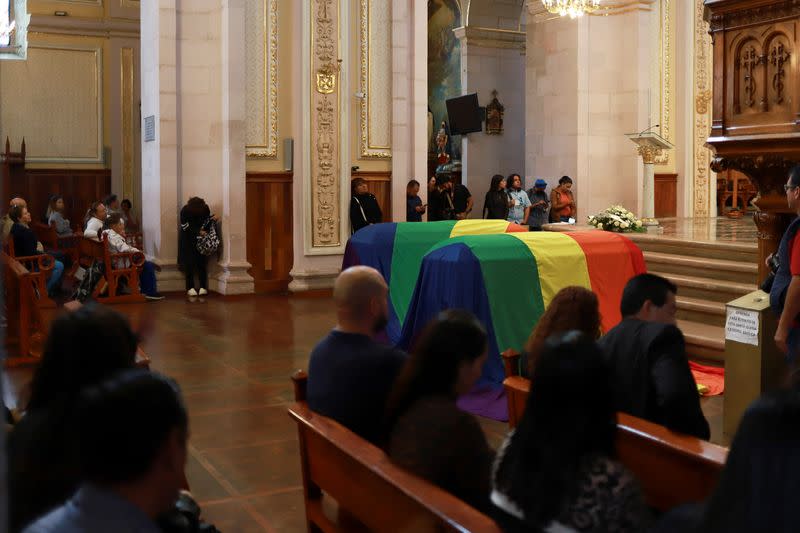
[
  {"x": 428, "y": 434},
  {"x": 556, "y": 471},
  {"x": 115, "y": 234}
]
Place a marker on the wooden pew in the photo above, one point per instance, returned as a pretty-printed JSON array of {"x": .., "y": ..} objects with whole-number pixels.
[
  {"x": 38, "y": 266},
  {"x": 26, "y": 311},
  {"x": 52, "y": 241},
  {"x": 368, "y": 488},
  {"x": 117, "y": 266},
  {"x": 672, "y": 468}
]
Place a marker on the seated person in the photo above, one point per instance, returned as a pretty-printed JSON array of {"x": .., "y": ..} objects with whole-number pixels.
[
  {"x": 25, "y": 244},
  {"x": 94, "y": 220},
  {"x": 349, "y": 374},
  {"x": 648, "y": 358},
  {"x": 364, "y": 208},
  {"x": 132, "y": 432},
  {"x": 428, "y": 434},
  {"x": 556, "y": 471},
  {"x": 572, "y": 308},
  {"x": 56, "y": 216},
  {"x": 42, "y": 464},
  {"x": 115, "y": 234},
  {"x": 7, "y": 223}
]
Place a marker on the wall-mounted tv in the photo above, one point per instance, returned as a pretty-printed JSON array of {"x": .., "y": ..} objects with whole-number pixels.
[{"x": 464, "y": 114}]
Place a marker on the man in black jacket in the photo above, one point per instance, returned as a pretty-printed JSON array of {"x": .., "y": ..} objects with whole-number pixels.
[{"x": 648, "y": 358}]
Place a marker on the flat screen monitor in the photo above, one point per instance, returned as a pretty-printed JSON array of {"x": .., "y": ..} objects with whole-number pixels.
[{"x": 464, "y": 114}]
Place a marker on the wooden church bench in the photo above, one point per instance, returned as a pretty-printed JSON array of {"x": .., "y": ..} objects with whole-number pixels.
[
  {"x": 116, "y": 266},
  {"x": 672, "y": 468},
  {"x": 368, "y": 488},
  {"x": 51, "y": 240},
  {"x": 27, "y": 308},
  {"x": 38, "y": 266}
]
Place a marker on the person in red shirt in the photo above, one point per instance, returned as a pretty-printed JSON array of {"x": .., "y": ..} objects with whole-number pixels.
[{"x": 562, "y": 201}]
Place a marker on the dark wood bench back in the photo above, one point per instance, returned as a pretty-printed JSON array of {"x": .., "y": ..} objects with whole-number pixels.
[
  {"x": 116, "y": 266},
  {"x": 367, "y": 485},
  {"x": 672, "y": 468}
]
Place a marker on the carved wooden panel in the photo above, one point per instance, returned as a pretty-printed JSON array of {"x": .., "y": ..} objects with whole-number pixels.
[
  {"x": 78, "y": 187},
  {"x": 666, "y": 195},
  {"x": 270, "y": 249}
]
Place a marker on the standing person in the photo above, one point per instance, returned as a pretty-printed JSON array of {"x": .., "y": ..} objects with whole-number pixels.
[
  {"x": 196, "y": 220},
  {"x": 784, "y": 296},
  {"x": 131, "y": 222},
  {"x": 94, "y": 221},
  {"x": 115, "y": 233},
  {"x": 440, "y": 202},
  {"x": 497, "y": 202},
  {"x": 557, "y": 471},
  {"x": 647, "y": 353},
  {"x": 540, "y": 203},
  {"x": 462, "y": 201},
  {"x": 562, "y": 201},
  {"x": 56, "y": 216},
  {"x": 520, "y": 203},
  {"x": 414, "y": 207},
  {"x": 364, "y": 208},
  {"x": 428, "y": 434}
]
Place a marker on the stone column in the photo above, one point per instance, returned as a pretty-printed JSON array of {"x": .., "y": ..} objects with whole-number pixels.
[
  {"x": 649, "y": 156},
  {"x": 193, "y": 86}
]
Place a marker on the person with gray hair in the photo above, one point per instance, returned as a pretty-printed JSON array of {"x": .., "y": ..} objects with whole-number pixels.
[
  {"x": 350, "y": 374},
  {"x": 6, "y": 221}
]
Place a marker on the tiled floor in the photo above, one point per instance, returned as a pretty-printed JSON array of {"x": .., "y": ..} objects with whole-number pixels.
[{"x": 233, "y": 358}]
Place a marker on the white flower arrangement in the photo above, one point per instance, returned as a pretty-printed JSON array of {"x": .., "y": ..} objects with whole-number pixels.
[{"x": 618, "y": 219}]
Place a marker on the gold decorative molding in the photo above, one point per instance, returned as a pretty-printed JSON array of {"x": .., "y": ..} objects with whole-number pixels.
[
  {"x": 130, "y": 3},
  {"x": 702, "y": 114},
  {"x": 325, "y": 123},
  {"x": 665, "y": 61},
  {"x": 266, "y": 144},
  {"x": 369, "y": 150},
  {"x": 649, "y": 154},
  {"x": 127, "y": 102}
]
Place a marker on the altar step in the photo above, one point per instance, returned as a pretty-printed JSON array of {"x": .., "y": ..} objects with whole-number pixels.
[{"x": 708, "y": 275}]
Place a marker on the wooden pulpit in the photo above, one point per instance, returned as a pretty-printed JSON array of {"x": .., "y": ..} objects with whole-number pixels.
[{"x": 756, "y": 103}]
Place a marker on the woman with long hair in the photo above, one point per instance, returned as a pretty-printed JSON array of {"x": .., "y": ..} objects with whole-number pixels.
[
  {"x": 428, "y": 434},
  {"x": 562, "y": 200},
  {"x": 557, "y": 469},
  {"x": 94, "y": 221},
  {"x": 497, "y": 201},
  {"x": 55, "y": 215},
  {"x": 196, "y": 220},
  {"x": 82, "y": 349},
  {"x": 572, "y": 308}
]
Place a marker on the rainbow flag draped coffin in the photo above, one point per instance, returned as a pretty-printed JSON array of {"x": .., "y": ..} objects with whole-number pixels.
[
  {"x": 508, "y": 280},
  {"x": 396, "y": 250}
]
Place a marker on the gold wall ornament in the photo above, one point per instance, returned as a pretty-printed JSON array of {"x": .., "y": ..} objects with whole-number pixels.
[
  {"x": 701, "y": 192},
  {"x": 665, "y": 78},
  {"x": 325, "y": 123},
  {"x": 261, "y": 34},
  {"x": 127, "y": 102},
  {"x": 375, "y": 118}
]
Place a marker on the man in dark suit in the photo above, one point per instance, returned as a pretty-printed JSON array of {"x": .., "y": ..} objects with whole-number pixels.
[{"x": 647, "y": 354}]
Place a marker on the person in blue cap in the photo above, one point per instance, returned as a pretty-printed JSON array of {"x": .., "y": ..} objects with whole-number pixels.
[{"x": 540, "y": 203}]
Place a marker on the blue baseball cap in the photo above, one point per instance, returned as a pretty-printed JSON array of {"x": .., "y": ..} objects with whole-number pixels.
[{"x": 540, "y": 183}]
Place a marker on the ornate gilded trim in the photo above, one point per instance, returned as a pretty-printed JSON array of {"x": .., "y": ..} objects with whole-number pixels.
[
  {"x": 325, "y": 122},
  {"x": 665, "y": 54},
  {"x": 756, "y": 15},
  {"x": 268, "y": 148},
  {"x": 127, "y": 101},
  {"x": 368, "y": 149},
  {"x": 702, "y": 115},
  {"x": 649, "y": 154}
]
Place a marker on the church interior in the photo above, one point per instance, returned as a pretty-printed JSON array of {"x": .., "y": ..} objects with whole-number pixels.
[{"x": 282, "y": 135}]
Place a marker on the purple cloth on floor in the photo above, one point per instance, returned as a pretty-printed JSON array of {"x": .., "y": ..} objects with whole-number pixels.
[{"x": 486, "y": 400}]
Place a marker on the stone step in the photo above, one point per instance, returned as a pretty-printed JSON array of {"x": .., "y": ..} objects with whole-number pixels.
[
  {"x": 701, "y": 311},
  {"x": 744, "y": 252},
  {"x": 704, "y": 342},
  {"x": 718, "y": 269},
  {"x": 707, "y": 288}
]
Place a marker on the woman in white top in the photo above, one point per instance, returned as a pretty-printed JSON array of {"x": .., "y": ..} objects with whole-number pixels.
[
  {"x": 94, "y": 220},
  {"x": 115, "y": 234}
]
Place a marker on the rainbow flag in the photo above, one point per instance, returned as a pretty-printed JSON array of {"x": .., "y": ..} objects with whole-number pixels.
[
  {"x": 508, "y": 280},
  {"x": 396, "y": 250}
]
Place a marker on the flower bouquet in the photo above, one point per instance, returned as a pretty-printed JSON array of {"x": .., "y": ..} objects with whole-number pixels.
[{"x": 618, "y": 219}]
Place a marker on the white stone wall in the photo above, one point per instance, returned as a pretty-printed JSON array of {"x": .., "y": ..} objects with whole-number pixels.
[{"x": 485, "y": 69}]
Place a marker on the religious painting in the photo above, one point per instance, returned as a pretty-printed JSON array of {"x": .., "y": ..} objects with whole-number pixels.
[
  {"x": 494, "y": 116},
  {"x": 444, "y": 65}
]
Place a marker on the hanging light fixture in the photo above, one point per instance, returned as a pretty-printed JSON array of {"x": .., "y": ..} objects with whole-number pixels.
[{"x": 573, "y": 8}]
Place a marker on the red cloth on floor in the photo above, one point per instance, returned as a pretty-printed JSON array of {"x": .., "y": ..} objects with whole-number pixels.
[{"x": 712, "y": 377}]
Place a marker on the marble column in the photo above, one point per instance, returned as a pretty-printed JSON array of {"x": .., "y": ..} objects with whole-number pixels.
[{"x": 193, "y": 88}]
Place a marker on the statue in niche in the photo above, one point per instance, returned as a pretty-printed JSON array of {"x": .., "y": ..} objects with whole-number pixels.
[
  {"x": 441, "y": 144},
  {"x": 494, "y": 116}
]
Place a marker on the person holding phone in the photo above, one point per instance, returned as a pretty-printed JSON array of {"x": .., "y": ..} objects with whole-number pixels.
[{"x": 414, "y": 206}]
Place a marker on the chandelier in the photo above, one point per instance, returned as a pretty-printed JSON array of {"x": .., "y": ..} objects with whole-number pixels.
[{"x": 573, "y": 8}]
